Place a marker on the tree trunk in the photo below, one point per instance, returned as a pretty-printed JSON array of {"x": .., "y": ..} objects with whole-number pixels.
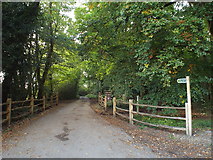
[
  {"x": 30, "y": 79},
  {"x": 49, "y": 58},
  {"x": 38, "y": 60}
]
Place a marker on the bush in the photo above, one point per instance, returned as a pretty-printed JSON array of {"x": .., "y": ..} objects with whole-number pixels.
[
  {"x": 68, "y": 91},
  {"x": 82, "y": 91},
  {"x": 91, "y": 96}
]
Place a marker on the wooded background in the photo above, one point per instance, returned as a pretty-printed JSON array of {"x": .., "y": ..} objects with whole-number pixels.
[{"x": 132, "y": 48}]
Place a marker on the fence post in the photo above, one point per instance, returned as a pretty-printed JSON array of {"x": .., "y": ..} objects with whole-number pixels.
[
  {"x": 31, "y": 104},
  {"x": 130, "y": 111},
  {"x": 105, "y": 102},
  {"x": 9, "y": 102},
  {"x": 114, "y": 106},
  {"x": 137, "y": 103},
  {"x": 44, "y": 105},
  {"x": 189, "y": 104}
]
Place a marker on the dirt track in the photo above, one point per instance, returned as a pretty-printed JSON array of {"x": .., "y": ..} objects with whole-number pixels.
[{"x": 74, "y": 131}]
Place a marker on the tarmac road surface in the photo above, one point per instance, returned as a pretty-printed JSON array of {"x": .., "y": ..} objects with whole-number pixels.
[{"x": 74, "y": 131}]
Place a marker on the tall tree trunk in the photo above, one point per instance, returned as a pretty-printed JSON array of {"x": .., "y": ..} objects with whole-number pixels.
[
  {"x": 49, "y": 57},
  {"x": 38, "y": 65},
  {"x": 30, "y": 79}
]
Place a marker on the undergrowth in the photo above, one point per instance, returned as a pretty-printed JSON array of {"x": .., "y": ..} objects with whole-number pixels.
[{"x": 196, "y": 123}]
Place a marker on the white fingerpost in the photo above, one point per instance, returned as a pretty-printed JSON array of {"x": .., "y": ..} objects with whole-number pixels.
[
  {"x": 137, "y": 103},
  {"x": 187, "y": 119},
  {"x": 189, "y": 105}
]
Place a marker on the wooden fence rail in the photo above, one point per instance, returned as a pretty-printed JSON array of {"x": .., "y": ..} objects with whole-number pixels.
[
  {"x": 102, "y": 101},
  {"x": 34, "y": 105},
  {"x": 187, "y": 118}
]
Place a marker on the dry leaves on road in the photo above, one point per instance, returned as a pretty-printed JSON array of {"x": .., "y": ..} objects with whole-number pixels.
[{"x": 166, "y": 143}]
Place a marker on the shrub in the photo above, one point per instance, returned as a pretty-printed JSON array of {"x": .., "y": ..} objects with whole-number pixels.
[
  {"x": 68, "y": 91},
  {"x": 91, "y": 96}
]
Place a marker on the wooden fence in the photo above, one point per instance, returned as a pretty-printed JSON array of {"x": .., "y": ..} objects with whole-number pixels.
[
  {"x": 19, "y": 109},
  {"x": 102, "y": 101},
  {"x": 131, "y": 114}
]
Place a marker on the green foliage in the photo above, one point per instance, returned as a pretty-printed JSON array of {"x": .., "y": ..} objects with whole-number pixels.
[
  {"x": 68, "y": 91},
  {"x": 128, "y": 48},
  {"x": 142, "y": 126},
  {"x": 202, "y": 123},
  {"x": 196, "y": 123},
  {"x": 19, "y": 20},
  {"x": 169, "y": 112},
  {"x": 39, "y": 52},
  {"x": 143, "y": 48},
  {"x": 109, "y": 105},
  {"x": 124, "y": 106},
  {"x": 91, "y": 96},
  {"x": 162, "y": 121},
  {"x": 83, "y": 91}
]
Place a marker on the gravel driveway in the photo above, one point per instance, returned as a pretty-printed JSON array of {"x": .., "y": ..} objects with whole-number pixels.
[{"x": 74, "y": 131}]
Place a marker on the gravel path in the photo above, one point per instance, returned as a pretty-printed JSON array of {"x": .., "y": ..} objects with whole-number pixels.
[{"x": 74, "y": 131}]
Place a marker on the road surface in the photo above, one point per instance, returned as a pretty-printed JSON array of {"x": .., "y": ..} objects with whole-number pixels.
[{"x": 74, "y": 131}]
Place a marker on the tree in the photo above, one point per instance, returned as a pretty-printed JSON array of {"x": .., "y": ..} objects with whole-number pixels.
[
  {"x": 19, "y": 21},
  {"x": 35, "y": 37},
  {"x": 142, "y": 48}
]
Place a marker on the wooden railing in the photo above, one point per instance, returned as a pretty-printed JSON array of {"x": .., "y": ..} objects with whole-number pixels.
[
  {"x": 131, "y": 114},
  {"x": 102, "y": 101},
  {"x": 18, "y": 109}
]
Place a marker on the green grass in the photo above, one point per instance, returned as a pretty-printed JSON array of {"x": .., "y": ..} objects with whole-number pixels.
[
  {"x": 197, "y": 123},
  {"x": 202, "y": 123}
]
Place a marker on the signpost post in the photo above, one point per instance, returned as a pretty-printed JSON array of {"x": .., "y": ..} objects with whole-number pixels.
[
  {"x": 137, "y": 103},
  {"x": 189, "y": 107}
]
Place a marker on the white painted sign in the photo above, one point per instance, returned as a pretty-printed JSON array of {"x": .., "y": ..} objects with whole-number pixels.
[
  {"x": 181, "y": 80},
  {"x": 188, "y": 105}
]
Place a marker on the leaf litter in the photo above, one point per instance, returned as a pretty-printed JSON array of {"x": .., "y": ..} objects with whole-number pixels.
[{"x": 166, "y": 143}]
